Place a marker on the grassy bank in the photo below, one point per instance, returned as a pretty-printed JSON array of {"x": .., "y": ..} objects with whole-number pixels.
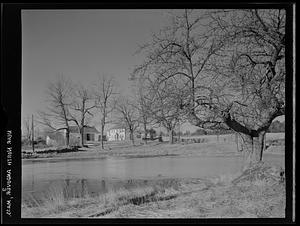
[
  {"x": 210, "y": 146},
  {"x": 149, "y": 150},
  {"x": 223, "y": 196}
]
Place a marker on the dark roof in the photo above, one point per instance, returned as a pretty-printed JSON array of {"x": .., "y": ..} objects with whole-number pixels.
[{"x": 87, "y": 129}]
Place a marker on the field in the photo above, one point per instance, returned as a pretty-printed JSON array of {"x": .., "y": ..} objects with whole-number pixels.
[
  {"x": 258, "y": 194},
  {"x": 209, "y": 145}
]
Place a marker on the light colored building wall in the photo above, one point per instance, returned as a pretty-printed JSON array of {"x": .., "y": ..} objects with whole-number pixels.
[
  {"x": 58, "y": 141},
  {"x": 50, "y": 141},
  {"x": 75, "y": 138},
  {"x": 116, "y": 134}
]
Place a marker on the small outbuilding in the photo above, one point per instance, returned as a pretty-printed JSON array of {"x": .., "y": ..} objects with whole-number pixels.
[{"x": 90, "y": 135}]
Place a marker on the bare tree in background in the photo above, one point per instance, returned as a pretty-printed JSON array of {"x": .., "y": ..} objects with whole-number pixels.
[
  {"x": 127, "y": 115},
  {"x": 180, "y": 52},
  {"x": 105, "y": 101},
  {"x": 166, "y": 105},
  {"x": 82, "y": 104},
  {"x": 144, "y": 104},
  {"x": 57, "y": 116},
  {"x": 233, "y": 62}
]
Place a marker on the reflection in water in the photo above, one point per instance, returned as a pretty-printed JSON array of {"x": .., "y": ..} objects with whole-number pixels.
[
  {"x": 77, "y": 188},
  {"x": 67, "y": 182},
  {"x": 103, "y": 187}
]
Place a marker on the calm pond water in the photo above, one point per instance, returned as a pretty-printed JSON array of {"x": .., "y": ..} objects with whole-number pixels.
[{"x": 97, "y": 175}]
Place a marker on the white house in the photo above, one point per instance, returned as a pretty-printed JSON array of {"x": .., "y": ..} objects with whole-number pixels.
[
  {"x": 116, "y": 133},
  {"x": 119, "y": 133}
]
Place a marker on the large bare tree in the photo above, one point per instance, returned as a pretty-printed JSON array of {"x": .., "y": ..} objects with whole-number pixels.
[
  {"x": 253, "y": 72},
  {"x": 233, "y": 62},
  {"x": 57, "y": 115},
  {"x": 105, "y": 100},
  {"x": 166, "y": 110},
  {"x": 127, "y": 115},
  {"x": 144, "y": 103},
  {"x": 82, "y": 104}
]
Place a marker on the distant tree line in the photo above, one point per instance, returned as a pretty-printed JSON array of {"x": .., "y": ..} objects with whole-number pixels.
[{"x": 200, "y": 132}]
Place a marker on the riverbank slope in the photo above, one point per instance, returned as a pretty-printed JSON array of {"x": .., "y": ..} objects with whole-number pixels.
[{"x": 259, "y": 195}]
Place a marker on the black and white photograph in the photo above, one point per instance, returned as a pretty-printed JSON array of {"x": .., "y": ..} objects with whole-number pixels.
[{"x": 154, "y": 113}]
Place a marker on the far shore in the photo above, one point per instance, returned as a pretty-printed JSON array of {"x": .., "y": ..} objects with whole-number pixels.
[{"x": 224, "y": 146}]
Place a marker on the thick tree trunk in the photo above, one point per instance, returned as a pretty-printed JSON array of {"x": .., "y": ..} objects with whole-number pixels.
[
  {"x": 171, "y": 136},
  {"x": 253, "y": 148},
  {"x": 82, "y": 137},
  {"x": 132, "y": 137},
  {"x": 179, "y": 137},
  {"x": 145, "y": 131},
  {"x": 102, "y": 132},
  {"x": 67, "y": 138}
]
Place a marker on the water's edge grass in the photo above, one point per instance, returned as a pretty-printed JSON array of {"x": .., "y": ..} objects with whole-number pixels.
[{"x": 169, "y": 198}]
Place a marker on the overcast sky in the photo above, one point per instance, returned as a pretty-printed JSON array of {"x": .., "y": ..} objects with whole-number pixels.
[{"x": 80, "y": 44}]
